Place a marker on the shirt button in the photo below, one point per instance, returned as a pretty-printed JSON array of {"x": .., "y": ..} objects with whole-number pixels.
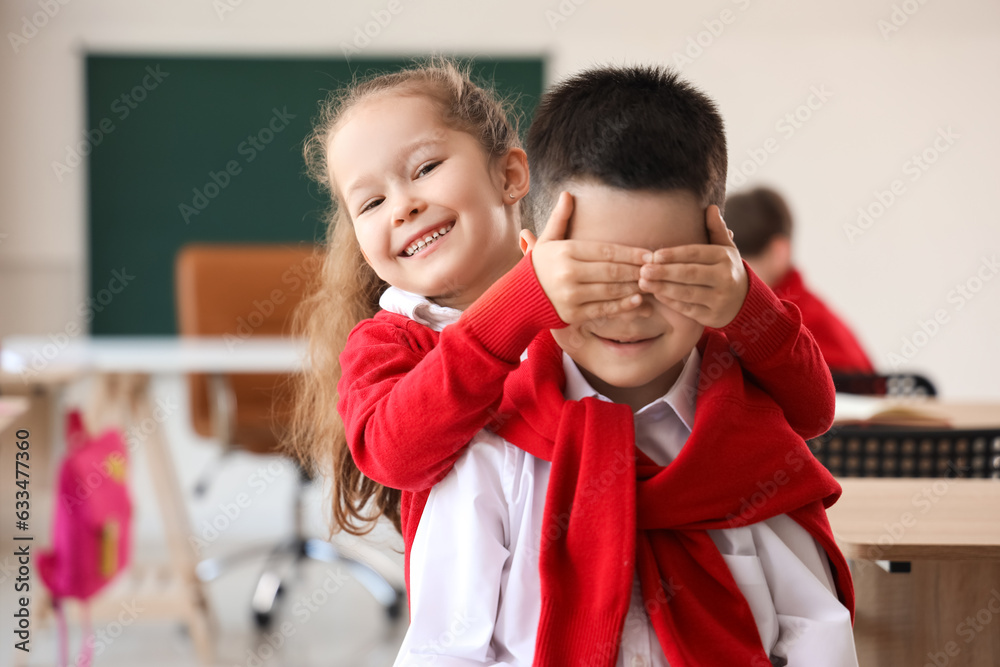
[{"x": 639, "y": 661}]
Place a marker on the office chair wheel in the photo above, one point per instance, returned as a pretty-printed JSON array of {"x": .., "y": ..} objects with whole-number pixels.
[{"x": 262, "y": 620}]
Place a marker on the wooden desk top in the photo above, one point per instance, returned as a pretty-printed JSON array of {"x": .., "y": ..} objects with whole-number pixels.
[
  {"x": 151, "y": 355},
  {"x": 965, "y": 415},
  {"x": 918, "y": 519}
]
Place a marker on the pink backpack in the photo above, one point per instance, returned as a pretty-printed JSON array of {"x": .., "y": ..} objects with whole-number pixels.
[{"x": 91, "y": 531}]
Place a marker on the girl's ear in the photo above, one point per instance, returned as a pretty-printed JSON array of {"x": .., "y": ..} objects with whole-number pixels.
[
  {"x": 527, "y": 241},
  {"x": 515, "y": 176}
]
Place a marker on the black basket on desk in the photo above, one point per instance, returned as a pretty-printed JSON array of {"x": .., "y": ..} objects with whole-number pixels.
[
  {"x": 898, "y": 385},
  {"x": 897, "y": 451}
]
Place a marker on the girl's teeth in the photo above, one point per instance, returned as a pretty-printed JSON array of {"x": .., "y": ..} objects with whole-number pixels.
[{"x": 426, "y": 241}]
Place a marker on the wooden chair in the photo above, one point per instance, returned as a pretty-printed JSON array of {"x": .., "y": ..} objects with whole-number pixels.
[{"x": 239, "y": 292}]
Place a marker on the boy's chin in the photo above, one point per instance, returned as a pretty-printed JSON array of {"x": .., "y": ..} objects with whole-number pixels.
[{"x": 619, "y": 381}]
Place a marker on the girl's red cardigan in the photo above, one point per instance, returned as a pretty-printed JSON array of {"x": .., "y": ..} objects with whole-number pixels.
[{"x": 412, "y": 398}]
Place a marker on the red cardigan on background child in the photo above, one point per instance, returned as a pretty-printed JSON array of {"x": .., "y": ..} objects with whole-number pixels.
[
  {"x": 840, "y": 347},
  {"x": 762, "y": 224}
]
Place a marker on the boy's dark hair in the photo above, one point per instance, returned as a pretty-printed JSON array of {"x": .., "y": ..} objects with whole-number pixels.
[
  {"x": 634, "y": 128},
  {"x": 756, "y": 217}
]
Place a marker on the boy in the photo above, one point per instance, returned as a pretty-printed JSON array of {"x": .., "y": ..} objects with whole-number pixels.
[
  {"x": 581, "y": 545},
  {"x": 763, "y": 226}
]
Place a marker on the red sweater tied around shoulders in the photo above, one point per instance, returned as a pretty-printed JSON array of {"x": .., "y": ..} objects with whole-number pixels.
[{"x": 598, "y": 528}]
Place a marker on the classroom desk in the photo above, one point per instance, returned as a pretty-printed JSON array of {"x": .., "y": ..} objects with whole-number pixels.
[
  {"x": 946, "y": 609},
  {"x": 10, "y": 410},
  {"x": 957, "y": 414},
  {"x": 156, "y": 355},
  {"x": 124, "y": 366}
]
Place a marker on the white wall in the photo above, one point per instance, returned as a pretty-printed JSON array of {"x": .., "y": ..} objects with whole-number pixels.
[{"x": 889, "y": 97}]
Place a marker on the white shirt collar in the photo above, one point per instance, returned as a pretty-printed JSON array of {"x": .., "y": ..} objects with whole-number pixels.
[
  {"x": 418, "y": 308},
  {"x": 680, "y": 398}
]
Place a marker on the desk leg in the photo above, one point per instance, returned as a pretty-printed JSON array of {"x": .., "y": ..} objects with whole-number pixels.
[
  {"x": 176, "y": 524},
  {"x": 942, "y": 613}
]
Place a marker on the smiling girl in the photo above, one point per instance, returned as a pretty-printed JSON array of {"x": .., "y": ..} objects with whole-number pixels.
[{"x": 427, "y": 175}]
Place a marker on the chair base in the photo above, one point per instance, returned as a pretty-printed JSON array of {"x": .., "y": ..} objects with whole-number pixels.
[{"x": 367, "y": 566}]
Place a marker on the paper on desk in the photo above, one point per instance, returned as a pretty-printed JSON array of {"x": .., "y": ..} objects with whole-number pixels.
[{"x": 854, "y": 408}]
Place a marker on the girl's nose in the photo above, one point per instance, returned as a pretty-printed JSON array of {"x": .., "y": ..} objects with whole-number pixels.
[{"x": 407, "y": 210}]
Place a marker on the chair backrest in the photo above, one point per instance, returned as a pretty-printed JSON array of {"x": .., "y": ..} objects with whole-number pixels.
[
  {"x": 893, "y": 451},
  {"x": 240, "y": 291},
  {"x": 893, "y": 384}
]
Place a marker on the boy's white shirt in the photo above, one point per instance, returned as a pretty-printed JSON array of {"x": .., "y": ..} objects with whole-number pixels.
[{"x": 474, "y": 582}]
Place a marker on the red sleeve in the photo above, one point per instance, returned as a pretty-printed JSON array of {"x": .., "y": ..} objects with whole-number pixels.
[
  {"x": 784, "y": 360},
  {"x": 841, "y": 348},
  {"x": 410, "y": 406}
]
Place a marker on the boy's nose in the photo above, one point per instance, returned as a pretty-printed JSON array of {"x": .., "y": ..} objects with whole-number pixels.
[{"x": 644, "y": 310}]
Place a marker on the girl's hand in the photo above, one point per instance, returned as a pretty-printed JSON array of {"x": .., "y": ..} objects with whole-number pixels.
[
  {"x": 584, "y": 280},
  {"x": 707, "y": 283}
]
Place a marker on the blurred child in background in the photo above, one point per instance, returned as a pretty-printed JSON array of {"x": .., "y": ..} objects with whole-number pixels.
[{"x": 762, "y": 224}]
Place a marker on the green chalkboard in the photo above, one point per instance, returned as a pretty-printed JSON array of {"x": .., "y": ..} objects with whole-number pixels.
[{"x": 209, "y": 149}]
